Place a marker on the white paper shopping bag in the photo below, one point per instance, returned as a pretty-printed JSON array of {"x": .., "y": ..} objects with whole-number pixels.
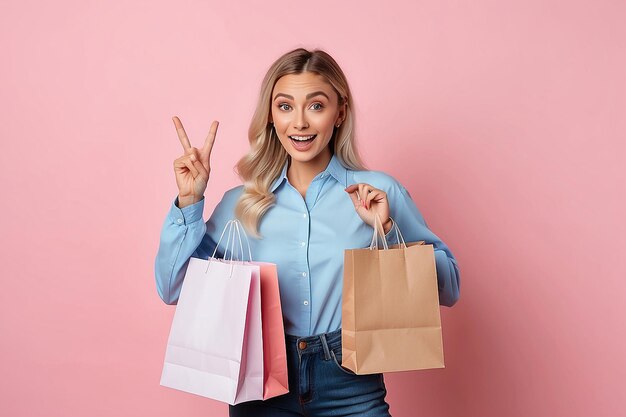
[{"x": 215, "y": 346}]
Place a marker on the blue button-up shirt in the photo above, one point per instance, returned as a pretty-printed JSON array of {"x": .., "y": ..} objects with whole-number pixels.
[{"x": 305, "y": 238}]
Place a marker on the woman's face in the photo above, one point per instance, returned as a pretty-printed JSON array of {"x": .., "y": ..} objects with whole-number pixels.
[{"x": 305, "y": 105}]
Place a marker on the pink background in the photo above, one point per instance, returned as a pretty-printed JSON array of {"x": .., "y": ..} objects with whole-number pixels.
[{"x": 505, "y": 120}]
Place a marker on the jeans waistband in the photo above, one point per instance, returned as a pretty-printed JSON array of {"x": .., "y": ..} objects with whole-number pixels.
[{"x": 316, "y": 343}]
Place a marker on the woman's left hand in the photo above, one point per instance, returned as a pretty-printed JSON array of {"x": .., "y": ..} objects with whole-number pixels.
[{"x": 368, "y": 202}]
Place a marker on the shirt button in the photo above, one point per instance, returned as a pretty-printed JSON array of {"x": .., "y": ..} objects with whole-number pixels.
[
  {"x": 304, "y": 274},
  {"x": 306, "y": 303},
  {"x": 179, "y": 221},
  {"x": 302, "y": 243},
  {"x": 304, "y": 215}
]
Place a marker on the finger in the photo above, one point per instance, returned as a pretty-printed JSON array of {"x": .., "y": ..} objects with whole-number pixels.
[
  {"x": 352, "y": 192},
  {"x": 363, "y": 188},
  {"x": 368, "y": 190},
  {"x": 377, "y": 195},
  {"x": 355, "y": 201},
  {"x": 179, "y": 163},
  {"x": 202, "y": 172},
  {"x": 182, "y": 135},
  {"x": 193, "y": 152},
  {"x": 189, "y": 164},
  {"x": 210, "y": 139}
]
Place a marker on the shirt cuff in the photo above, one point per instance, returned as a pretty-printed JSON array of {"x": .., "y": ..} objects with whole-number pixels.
[{"x": 186, "y": 215}]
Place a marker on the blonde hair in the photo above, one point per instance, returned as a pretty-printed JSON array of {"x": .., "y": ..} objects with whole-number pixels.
[{"x": 262, "y": 165}]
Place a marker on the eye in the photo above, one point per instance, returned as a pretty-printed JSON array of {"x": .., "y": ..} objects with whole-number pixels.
[
  {"x": 318, "y": 104},
  {"x": 280, "y": 106}
]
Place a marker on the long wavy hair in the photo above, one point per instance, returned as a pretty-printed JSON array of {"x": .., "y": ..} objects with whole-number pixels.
[{"x": 262, "y": 165}]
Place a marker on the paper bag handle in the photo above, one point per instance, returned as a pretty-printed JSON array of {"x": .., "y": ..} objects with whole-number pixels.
[
  {"x": 231, "y": 234},
  {"x": 229, "y": 244},
  {"x": 374, "y": 243},
  {"x": 233, "y": 227},
  {"x": 399, "y": 236},
  {"x": 377, "y": 233},
  {"x": 237, "y": 224}
]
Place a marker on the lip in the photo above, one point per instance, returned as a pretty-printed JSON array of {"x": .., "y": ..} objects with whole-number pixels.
[{"x": 302, "y": 147}]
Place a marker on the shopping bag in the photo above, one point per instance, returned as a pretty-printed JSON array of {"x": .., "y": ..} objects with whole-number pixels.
[
  {"x": 275, "y": 376},
  {"x": 390, "y": 308},
  {"x": 215, "y": 346}
]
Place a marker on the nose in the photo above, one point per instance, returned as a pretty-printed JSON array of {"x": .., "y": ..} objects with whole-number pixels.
[{"x": 300, "y": 121}]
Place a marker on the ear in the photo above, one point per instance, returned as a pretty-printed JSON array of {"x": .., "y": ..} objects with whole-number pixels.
[{"x": 343, "y": 111}]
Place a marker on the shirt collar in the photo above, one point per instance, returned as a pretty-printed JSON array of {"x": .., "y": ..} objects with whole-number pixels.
[{"x": 334, "y": 168}]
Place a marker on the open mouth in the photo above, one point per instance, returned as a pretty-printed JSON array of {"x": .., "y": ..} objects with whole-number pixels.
[
  {"x": 302, "y": 143},
  {"x": 303, "y": 139}
]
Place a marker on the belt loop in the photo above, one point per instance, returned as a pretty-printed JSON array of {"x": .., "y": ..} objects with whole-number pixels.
[{"x": 325, "y": 346}]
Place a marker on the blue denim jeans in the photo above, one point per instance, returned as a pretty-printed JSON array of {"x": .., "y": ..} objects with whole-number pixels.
[{"x": 319, "y": 385}]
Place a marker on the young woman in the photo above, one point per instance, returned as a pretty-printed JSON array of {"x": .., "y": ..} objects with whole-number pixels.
[{"x": 305, "y": 198}]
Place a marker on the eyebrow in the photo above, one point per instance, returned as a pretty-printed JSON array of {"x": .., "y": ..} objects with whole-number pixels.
[{"x": 308, "y": 96}]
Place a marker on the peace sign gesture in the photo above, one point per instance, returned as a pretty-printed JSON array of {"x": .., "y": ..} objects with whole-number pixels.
[{"x": 192, "y": 169}]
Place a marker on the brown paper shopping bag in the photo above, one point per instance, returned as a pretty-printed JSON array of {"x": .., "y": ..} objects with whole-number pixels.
[{"x": 390, "y": 309}]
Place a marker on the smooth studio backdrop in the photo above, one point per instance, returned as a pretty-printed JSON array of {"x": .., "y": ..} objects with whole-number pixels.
[{"x": 504, "y": 119}]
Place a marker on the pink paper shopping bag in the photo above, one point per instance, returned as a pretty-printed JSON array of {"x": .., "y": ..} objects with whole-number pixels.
[
  {"x": 275, "y": 374},
  {"x": 215, "y": 346},
  {"x": 274, "y": 350}
]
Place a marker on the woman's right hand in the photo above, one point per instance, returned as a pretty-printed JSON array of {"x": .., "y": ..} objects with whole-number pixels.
[{"x": 192, "y": 169}]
